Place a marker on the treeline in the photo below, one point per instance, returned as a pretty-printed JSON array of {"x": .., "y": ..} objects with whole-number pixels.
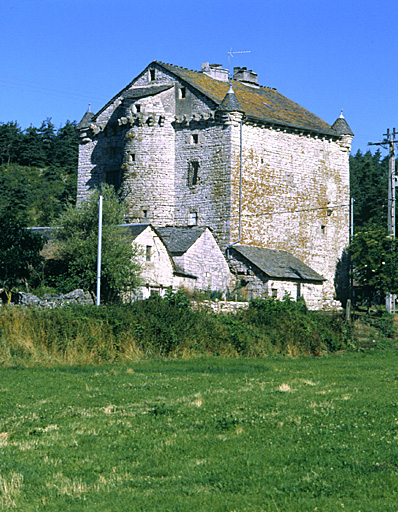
[
  {"x": 38, "y": 170},
  {"x": 369, "y": 188}
]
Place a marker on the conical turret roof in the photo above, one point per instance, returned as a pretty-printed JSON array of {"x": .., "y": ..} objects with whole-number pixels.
[
  {"x": 341, "y": 126},
  {"x": 86, "y": 119},
  {"x": 230, "y": 102}
]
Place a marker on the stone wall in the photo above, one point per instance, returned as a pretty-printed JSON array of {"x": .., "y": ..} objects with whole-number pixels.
[
  {"x": 205, "y": 260},
  {"x": 295, "y": 196},
  {"x": 295, "y": 186}
]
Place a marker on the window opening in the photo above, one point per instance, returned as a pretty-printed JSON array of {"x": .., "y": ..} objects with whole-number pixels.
[
  {"x": 138, "y": 108},
  {"x": 195, "y": 138},
  {"x": 182, "y": 92},
  {"x": 148, "y": 253},
  {"x": 114, "y": 178},
  {"x": 193, "y": 173},
  {"x": 193, "y": 219},
  {"x": 145, "y": 214},
  {"x": 152, "y": 74},
  {"x": 132, "y": 157},
  {"x": 274, "y": 293}
]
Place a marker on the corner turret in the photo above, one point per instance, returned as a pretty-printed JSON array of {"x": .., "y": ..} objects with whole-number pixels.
[
  {"x": 341, "y": 126},
  {"x": 230, "y": 103},
  {"x": 86, "y": 119}
]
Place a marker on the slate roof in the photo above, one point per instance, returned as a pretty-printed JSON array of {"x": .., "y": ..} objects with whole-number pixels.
[
  {"x": 230, "y": 102},
  {"x": 278, "y": 264},
  {"x": 86, "y": 120},
  {"x": 179, "y": 239},
  {"x": 135, "y": 229},
  {"x": 341, "y": 126},
  {"x": 263, "y": 104}
]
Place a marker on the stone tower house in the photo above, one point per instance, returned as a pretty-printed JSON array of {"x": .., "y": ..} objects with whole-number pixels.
[{"x": 195, "y": 148}]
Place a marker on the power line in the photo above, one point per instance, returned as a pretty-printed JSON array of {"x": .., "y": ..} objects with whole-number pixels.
[{"x": 389, "y": 142}]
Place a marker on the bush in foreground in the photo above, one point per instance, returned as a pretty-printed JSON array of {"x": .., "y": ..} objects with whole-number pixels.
[{"x": 166, "y": 328}]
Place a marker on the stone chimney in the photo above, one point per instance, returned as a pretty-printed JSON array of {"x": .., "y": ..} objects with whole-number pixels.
[
  {"x": 246, "y": 76},
  {"x": 215, "y": 71}
]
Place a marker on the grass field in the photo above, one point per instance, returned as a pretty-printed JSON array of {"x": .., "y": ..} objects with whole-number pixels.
[{"x": 208, "y": 435}]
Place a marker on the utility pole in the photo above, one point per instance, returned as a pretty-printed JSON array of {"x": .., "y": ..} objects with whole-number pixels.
[{"x": 389, "y": 143}]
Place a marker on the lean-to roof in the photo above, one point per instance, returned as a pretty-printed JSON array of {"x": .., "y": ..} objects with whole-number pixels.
[{"x": 278, "y": 264}]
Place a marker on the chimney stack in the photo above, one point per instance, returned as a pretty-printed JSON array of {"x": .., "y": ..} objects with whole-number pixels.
[{"x": 246, "y": 76}]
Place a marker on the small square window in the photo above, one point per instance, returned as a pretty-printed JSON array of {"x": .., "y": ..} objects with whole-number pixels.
[
  {"x": 193, "y": 219},
  {"x": 148, "y": 253}
]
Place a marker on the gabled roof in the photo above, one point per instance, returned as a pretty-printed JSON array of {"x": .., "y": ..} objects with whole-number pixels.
[
  {"x": 277, "y": 264},
  {"x": 179, "y": 239},
  {"x": 135, "y": 229},
  {"x": 262, "y": 104}
]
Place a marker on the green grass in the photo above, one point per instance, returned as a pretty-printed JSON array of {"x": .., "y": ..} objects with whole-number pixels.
[{"x": 209, "y": 435}]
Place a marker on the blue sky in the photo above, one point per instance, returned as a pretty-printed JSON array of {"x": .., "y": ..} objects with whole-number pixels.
[{"x": 56, "y": 56}]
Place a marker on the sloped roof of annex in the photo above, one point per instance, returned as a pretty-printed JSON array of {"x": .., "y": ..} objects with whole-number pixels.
[
  {"x": 179, "y": 239},
  {"x": 262, "y": 104},
  {"x": 278, "y": 264},
  {"x": 135, "y": 230}
]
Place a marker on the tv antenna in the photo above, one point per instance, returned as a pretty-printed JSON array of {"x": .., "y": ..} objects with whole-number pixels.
[{"x": 232, "y": 53}]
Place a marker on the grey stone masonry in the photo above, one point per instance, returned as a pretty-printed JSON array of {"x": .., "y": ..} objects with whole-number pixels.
[{"x": 269, "y": 174}]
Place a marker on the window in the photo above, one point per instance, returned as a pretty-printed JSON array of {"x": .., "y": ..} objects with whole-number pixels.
[
  {"x": 274, "y": 292},
  {"x": 152, "y": 74},
  {"x": 323, "y": 229},
  {"x": 193, "y": 173},
  {"x": 145, "y": 214},
  {"x": 132, "y": 158},
  {"x": 193, "y": 219},
  {"x": 182, "y": 93},
  {"x": 114, "y": 178},
  {"x": 138, "y": 108},
  {"x": 195, "y": 138},
  {"x": 148, "y": 253}
]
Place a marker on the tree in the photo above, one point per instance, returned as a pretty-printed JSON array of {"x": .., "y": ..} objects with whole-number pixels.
[
  {"x": 369, "y": 188},
  {"x": 19, "y": 254},
  {"x": 374, "y": 256},
  {"x": 76, "y": 238}
]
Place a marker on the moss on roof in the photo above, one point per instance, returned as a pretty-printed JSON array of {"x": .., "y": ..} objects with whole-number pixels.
[{"x": 261, "y": 103}]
